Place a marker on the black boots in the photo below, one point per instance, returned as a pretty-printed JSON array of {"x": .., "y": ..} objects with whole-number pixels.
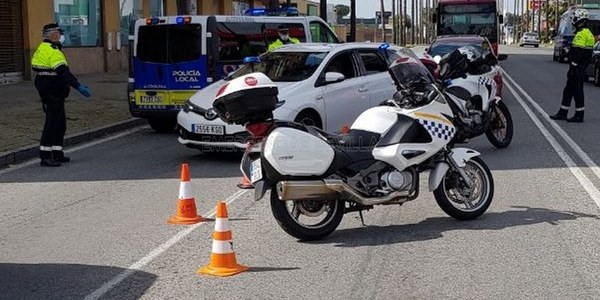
[
  {"x": 53, "y": 158},
  {"x": 49, "y": 162},
  {"x": 577, "y": 118},
  {"x": 59, "y": 156},
  {"x": 560, "y": 115}
]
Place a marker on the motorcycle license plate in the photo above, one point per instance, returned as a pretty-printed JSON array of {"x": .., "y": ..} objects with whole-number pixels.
[{"x": 255, "y": 171}]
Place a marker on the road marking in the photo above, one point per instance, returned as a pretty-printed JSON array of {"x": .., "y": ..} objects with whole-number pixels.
[
  {"x": 588, "y": 161},
  {"x": 77, "y": 148},
  {"x": 137, "y": 266},
  {"x": 585, "y": 182}
]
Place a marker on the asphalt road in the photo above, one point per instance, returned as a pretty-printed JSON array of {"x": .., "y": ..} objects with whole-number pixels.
[{"x": 96, "y": 228}]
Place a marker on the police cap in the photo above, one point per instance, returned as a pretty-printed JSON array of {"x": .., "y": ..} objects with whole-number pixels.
[{"x": 52, "y": 27}]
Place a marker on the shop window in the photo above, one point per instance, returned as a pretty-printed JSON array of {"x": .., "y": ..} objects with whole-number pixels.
[
  {"x": 131, "y": 10},
  {"x": 157, "y": 8},
  {"x": 81, "y": 20}
]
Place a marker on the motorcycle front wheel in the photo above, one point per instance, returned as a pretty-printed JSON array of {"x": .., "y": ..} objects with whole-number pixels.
[
  {"x": 307, "y": 220},
  {"x": 464, "y": 202},
  {"x": 500, "y": 130}
]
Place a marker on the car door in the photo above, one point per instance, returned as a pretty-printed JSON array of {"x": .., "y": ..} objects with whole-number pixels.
[
  {"x": 344, "y": 100},
  {"x": 591, "y": 69},
  {"x": 374, "y": 69}
]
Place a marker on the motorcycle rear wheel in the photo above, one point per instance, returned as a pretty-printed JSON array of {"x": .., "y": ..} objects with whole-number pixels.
[
  {"x": 500, "y": 131},
  {"x": 458, "y": 200},
  {"x": 326, "y": 214}
]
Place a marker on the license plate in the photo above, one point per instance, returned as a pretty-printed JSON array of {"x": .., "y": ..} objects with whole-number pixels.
[
  {"x": 147, "y": 99},
  {"x": 255, "y": 171},
  {"x": 208, "y": 129}
]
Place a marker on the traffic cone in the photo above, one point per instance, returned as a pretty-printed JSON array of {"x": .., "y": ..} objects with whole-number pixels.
[
  {"x": 186, "y": 205},
  {"x": 222, "y": 258},
  {"x": 245, "y": 183}
]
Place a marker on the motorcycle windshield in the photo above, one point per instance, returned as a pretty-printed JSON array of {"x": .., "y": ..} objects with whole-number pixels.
[{"x": 407, "y": 70}]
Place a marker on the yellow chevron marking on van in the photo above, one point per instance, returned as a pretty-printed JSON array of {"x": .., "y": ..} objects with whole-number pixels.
[{"x": 432, "y": 116}]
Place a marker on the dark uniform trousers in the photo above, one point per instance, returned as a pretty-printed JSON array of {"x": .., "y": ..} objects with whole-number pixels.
[
  {"x": 576, "y": 77},
  {"x": 55, "y": 126}
]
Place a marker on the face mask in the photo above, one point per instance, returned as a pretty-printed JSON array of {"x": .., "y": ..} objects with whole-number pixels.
[
  {"x": 62, "y": 39},
  {"x": 284, "y": 37}
]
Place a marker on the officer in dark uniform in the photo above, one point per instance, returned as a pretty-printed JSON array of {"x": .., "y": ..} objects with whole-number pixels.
[
  {"x": 580, "y": 56},
  {"x": 53, "y": 81}
]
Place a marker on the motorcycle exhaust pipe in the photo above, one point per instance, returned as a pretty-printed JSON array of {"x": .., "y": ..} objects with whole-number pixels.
[{"x": 331, "y": 190}]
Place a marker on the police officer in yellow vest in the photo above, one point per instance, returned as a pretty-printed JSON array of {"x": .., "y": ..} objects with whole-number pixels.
[
  {"x": 284, "y": 38},
  {"x": 580, "y": 56},
  {"x": 53, "y": 81}
]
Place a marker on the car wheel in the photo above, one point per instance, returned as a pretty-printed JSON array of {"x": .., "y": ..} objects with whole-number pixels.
[
  {"x": 536, "y": 46},
  {"x": 597, "y": 75},
  {"x": 309, "y": 118}
]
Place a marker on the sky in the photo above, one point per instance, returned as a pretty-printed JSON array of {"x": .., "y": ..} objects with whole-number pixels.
[{"x": 367, "y": 8}]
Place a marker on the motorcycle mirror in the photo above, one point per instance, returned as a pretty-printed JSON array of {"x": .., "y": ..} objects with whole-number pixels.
[{"x": 437, "y": 59}]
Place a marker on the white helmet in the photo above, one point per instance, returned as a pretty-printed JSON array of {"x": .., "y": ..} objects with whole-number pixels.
[{"x": 580, "y": 15}]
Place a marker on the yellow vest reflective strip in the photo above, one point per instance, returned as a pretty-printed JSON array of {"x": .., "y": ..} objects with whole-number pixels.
[
  {"x": 47, "y": 57},
  {"x": 278, "y": 43},
  {"x": 584, "y": 39}
]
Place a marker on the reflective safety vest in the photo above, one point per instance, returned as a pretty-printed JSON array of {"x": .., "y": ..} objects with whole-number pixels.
[
  {"x": 47, "y": 57},
  {"x": 584, "y": 39},
  {"x": 278, "y": 43}
]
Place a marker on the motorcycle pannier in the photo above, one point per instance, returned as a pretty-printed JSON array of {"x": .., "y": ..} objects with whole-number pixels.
[{"x": 246, "y": 99}]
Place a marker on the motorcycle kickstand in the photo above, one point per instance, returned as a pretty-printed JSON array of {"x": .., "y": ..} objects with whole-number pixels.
[{"x": 362, "y": 220}]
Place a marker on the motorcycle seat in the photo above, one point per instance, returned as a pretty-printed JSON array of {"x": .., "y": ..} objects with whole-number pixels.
[{"x": 357, "y": 144}]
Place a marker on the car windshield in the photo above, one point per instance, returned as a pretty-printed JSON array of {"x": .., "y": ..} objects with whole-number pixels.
[
  {"x": 443, "y": 48},
  {"x": 284, "y": 66}
]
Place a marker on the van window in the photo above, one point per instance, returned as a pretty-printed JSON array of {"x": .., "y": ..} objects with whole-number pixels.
[
  {"x": 319, "y": 33},
  {"x": 169, "y": 43},
  {"x": 241, "y": 39}
]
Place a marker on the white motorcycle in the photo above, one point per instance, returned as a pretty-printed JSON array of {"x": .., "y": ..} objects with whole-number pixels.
[
  {"x": 468, "y": 82},
  {"x": 315, "y": 177}
]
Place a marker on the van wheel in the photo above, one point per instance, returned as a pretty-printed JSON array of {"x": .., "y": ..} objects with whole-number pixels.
[
  {"x": 162, "y": 125},
  {"x": 309, "y": 118}
]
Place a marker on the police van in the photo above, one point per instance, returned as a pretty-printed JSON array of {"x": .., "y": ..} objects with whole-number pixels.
[{"x": 172, "y": 57}]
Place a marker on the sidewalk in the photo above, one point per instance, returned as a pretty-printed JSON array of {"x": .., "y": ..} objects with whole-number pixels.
[{"x": 22, "y": 118}]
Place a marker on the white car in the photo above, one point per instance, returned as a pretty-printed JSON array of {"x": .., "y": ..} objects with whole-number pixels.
[{"x": 325, "y": 85}]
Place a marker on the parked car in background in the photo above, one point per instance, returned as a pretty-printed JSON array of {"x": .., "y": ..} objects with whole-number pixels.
[
  {"x": 593, "y": 69},
  {"x": 445, "y": 44},
  {"x": 324, "y": 85},
  {"x": 530, "y": 38}
]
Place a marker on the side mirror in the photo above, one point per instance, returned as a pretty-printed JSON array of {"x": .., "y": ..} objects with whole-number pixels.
[
  {"x": 437, "y": 59},
  {"x": 502, "y": 56},
  {"x": 331, "y": 77}
]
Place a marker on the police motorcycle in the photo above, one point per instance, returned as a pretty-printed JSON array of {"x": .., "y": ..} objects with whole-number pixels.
[
  {"x": 315, "y": 177},
  {"x": 466, "y": 77}
]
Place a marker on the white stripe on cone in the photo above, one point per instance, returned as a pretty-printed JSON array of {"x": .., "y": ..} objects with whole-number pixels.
[
  {"x": 221, "y": 225},
  {"x": 222, "y": 247},
  {"x": 185, "y": 190}
]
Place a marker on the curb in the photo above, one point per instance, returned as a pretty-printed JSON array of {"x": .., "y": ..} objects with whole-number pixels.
[{"x": 32, "y": 151}]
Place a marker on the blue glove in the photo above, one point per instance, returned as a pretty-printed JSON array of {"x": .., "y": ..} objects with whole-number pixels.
[{"x": 84, "y": 90}]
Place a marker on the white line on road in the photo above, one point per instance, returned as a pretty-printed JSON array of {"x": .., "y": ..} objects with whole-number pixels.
[
  {"x": 80, "y": 147},
  {"x": 576, "y": 171},
  {"x": 588, "y": 161},
  {"x": 109, "y": 285}
]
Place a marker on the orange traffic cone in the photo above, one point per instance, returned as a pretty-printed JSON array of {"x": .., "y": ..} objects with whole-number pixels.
[
  {"x": 245, "y": 183},
  {"x": 186, "y": 205},
  {"x": 222, "y": 259}
]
